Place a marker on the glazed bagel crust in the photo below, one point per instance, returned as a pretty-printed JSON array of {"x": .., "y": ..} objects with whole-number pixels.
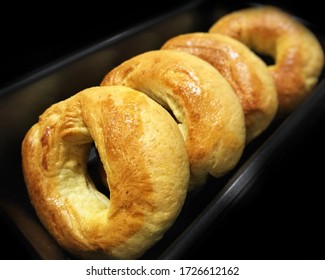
[
  {"x": 297, "y": 53},
  {"x": 208, "y": 111},
  {"x": 147, "y": 183},
  {"x": 244, "y": 70}
]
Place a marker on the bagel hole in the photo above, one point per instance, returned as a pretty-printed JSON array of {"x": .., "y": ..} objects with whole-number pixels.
[
  {"x": 268, "y": 59},
  {"x": 173, "y": 116},
  {"x": 97, "y": 173},
  {"x": 179, "y": 123}
]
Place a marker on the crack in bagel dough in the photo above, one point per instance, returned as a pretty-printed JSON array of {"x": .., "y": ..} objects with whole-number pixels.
[
  {"x": 297, "y": 53},
  {"x": 243, "y": 69},
  {"x": 147, "y": 183},
  {"x": 209, "y": 113}
]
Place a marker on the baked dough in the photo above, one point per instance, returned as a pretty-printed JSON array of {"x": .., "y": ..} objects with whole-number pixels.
[
  {"x": 148, "y": 183},
  {"x": 297, "y": 53},
  {"x": 208, "y": 111},
  {"x": 244, "y": 70}
]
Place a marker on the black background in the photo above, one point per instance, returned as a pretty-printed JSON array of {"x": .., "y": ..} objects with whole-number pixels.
[
  {"x": 35, "y": 34},
  {"x": 263, "y": 226}
]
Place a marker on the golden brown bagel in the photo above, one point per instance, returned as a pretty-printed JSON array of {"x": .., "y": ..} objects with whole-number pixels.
[
  {"x": 297, "y": 53},
  {"x": 246, "y": 72},
  {"x": 148, "y": 184},
  {"x": 209, "y": 113}
]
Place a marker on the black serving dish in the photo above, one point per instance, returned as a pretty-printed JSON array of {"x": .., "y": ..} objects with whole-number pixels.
[{"x": 270, "y": 206}]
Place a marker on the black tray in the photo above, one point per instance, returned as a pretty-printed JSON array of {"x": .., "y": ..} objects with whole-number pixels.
[{"x": 207, "y": 220}]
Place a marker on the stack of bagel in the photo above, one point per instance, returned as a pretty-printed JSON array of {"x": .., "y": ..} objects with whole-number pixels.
[{"x": 161, "y": 122}]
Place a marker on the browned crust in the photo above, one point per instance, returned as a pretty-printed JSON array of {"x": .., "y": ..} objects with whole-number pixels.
[
  {"x": 209, "y": 112},
  {"x": 298, "y": 55},
  {"x": 147, "y": 186},
  {"x": 247, "y": 74}
]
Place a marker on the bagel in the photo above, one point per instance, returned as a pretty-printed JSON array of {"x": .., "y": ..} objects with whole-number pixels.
[
  {"x": 244, "y": 70},
  {"x": 297, "y": 53},
  {"x": 208, "y": 111},
  {"x": 147, "y": 183}
]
